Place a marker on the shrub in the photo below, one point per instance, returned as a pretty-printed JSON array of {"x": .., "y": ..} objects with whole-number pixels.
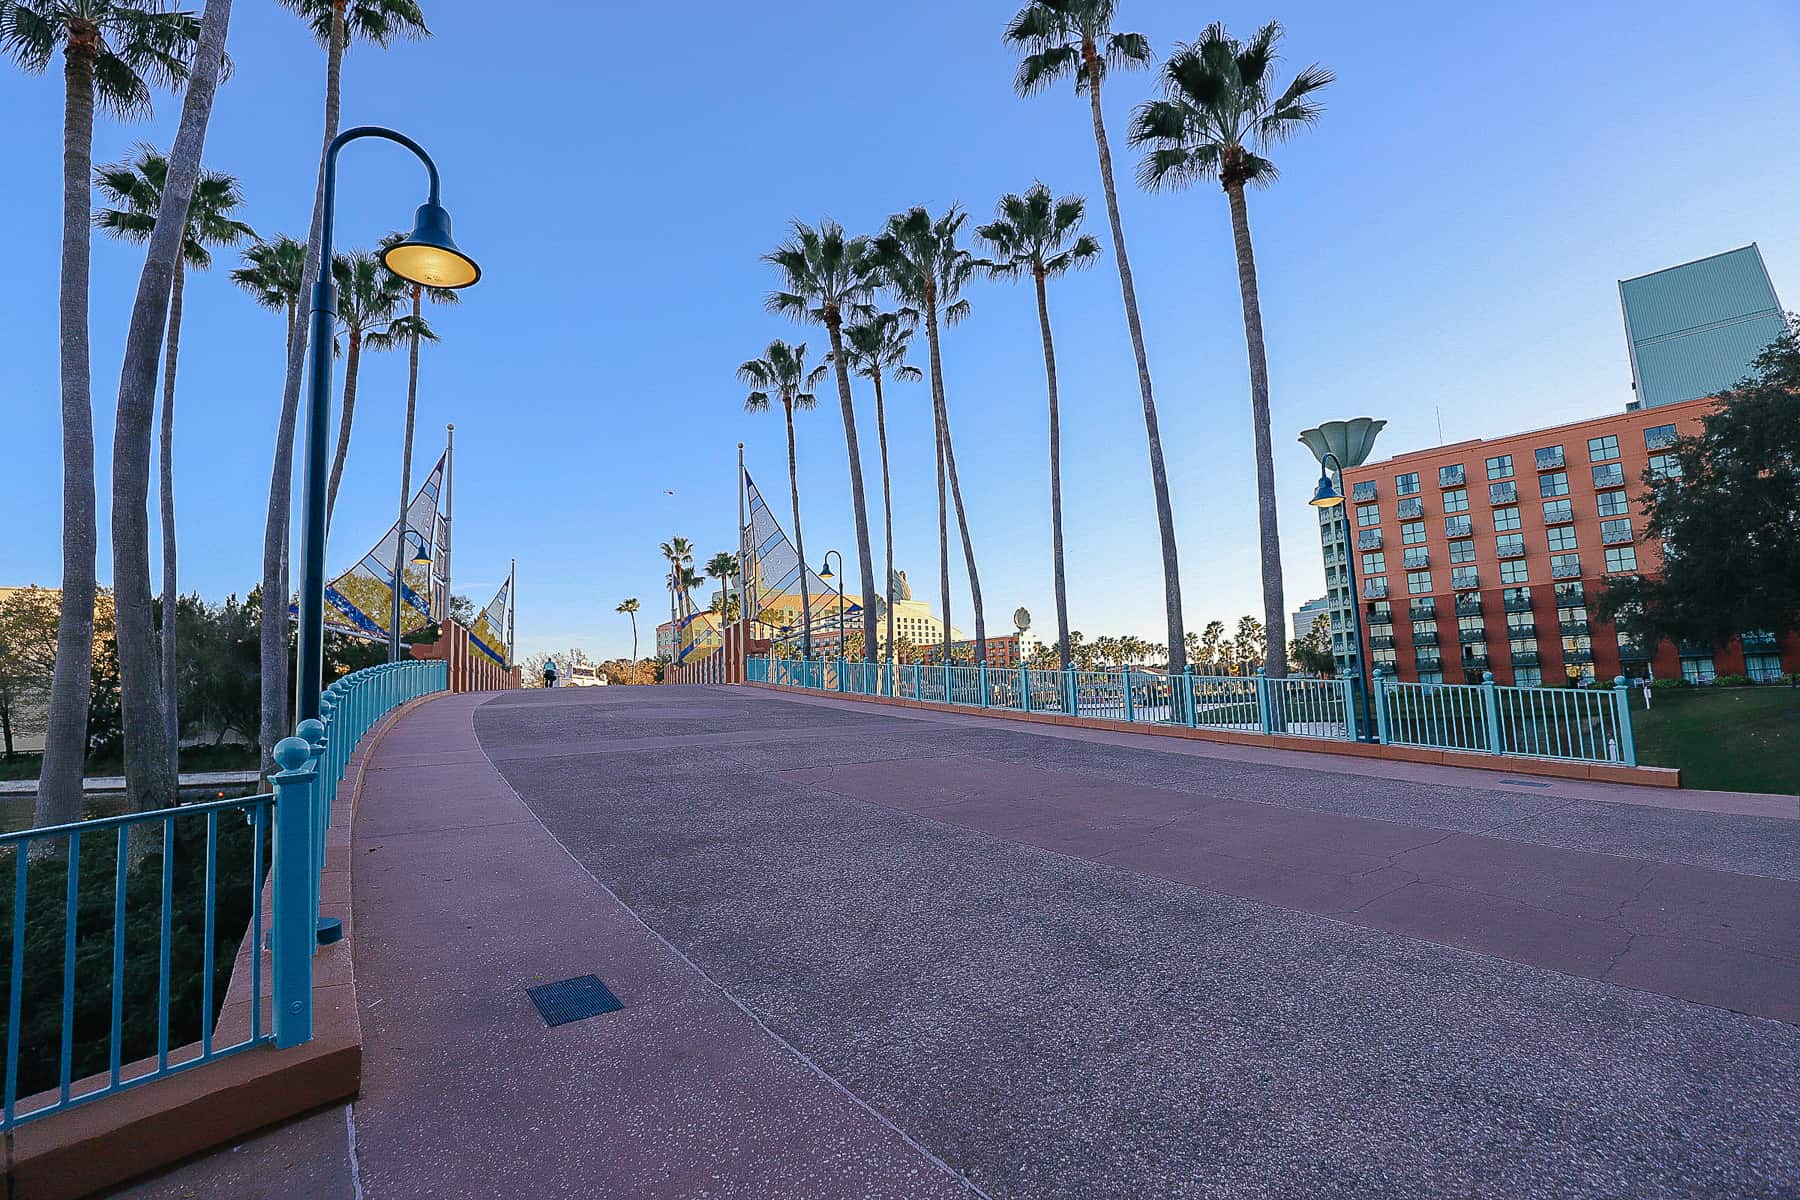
[
  {"x": 1668, "y": 685},
  {"x": 1732, "y": 681}
]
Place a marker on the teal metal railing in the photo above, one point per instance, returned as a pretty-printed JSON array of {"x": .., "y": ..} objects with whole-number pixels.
[
  {"x": 100, "y": 909},
  {"x": 1574, "y": 724}
]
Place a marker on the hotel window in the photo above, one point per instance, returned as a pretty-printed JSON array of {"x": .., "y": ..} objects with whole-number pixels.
[
  {"x": 1613, "y": 504},
  {"x": 1430, "y": 676},
  {"x": 1549, "y": 458},
  {"x": 1616, "y": 531},
  {"x": 1412, "y": 533},
  {"x": 1406, "y": 485},
  {"x": 1664, "y": 466},
  {"x": 1521, "y": 627},
  {"x": 1556, "y": 483},
  {"x": 1509, "y": 545},
  {"x": 1418, "y": 583},
  {"x": 1513, "y": 570},
  {"x": 1505, "y": 518},
  {"x": 1368, "y": 514},
  {"x": 1561, "y": 538},
  {"x": 1456, "y": 527},
  {"x": 1362, "y": 489},
  {"x": 1470, "y": 625},
  {"x": 1603, "y": 449},
  {"x": 1411, "y": 508},
  {"x": 1763, "y": 668},
  {"x": 1456, "y": 501},
  {"x": 1659, "y": 437},
  {"x": 1503, "y": 493},
  {"x": 1558, "y": 511},
  {"x": 1608, "y": 475},
  {"x": 1464, "y": 578},
  {"x": 1374, "y": 564},
  {"x": 1463, "y": 551},
  {"x": 1500, "y": 467},
  {"x": 1528, "y": 677},
  {"x": 1415, "y": 557},
  {"x": 1451, "y": 476},
  {"x": 1698, "y": 670},
  {"x": 1621, "y": 558},
  {"x": 1565, "y": 566}
]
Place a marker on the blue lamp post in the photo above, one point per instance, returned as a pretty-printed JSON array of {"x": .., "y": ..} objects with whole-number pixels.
[
  {"x": 837, "y": 581},
  {"x": 1327, "y": 496},
  {"x": 427, "y": 256}
]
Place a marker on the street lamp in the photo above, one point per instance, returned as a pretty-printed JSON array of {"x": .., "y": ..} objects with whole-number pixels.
[
  {"x": 1327, "y": 496},
  {"x": 826, "y": 575},
  {"x": 427, "y": 256}
]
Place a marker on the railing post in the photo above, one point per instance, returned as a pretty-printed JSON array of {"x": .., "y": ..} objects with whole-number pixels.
[
  {"x": 1627, "y": 740},
  {"x": 1024, "y": 688},
  {"x": 294, "y": 932},
  {"x": 1074, "y": 701},
  {"x": 840, "y": 673},
  {"x": 1381, "y": 715},
  {"x": 1490, "y": 702},
  {"x": 1352, "y": 719},
  {"x": 1192, "y": 710},
  {"x": 947, "y": 699},
  {"x": 1130, "y": 710},
  {"x": 1263, "y": 718}
]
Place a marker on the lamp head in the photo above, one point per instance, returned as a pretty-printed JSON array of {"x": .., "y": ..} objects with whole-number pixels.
[
  {"x": 421, "y": 552},
  {"x": 826, "y": 572},
  {"x": 1325, "y": 495},
  {"x": 428, "y": 255}
]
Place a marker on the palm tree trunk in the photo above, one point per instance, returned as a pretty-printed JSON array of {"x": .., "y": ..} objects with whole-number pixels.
[
  {"x": 1159, "y": 476},
  {"x": 887, "y": 512},
  {"x": 166, "y": 498},
  {"x": 962, "y": 516},
  {"x": 799, "y": 542},
  {"x": 634, "y": 648},
  {"x": 65, "y": 737},
  {"x": 859, "y": 505},
  {"x": 352, "y": 361},
  {"x": 1056, "y": 529},
  {"x": 149, "y": 776},
  {"x": 943, "y": 501},
  {"x": 1275, "y": 656},
  {"x": 275, "y": 627},
  {"x": 412, "y": 404}
]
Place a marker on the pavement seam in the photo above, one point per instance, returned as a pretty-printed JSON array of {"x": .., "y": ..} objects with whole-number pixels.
[
  {"x": 800, "y": 1055},
  {"x": 356, "y": 1190}
]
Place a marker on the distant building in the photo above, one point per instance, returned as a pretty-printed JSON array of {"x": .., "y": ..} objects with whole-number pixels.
[
  {"x": 1305, "y": 615},
  {"x": 1693, "y": 330}
]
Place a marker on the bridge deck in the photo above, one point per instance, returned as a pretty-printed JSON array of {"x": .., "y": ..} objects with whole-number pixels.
[{"x": 873, "y": 952}]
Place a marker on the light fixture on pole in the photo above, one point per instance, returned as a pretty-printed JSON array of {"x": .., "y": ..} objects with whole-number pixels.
[
  {"x": 427, "y": 256},
  {"x": 829, "y": 577},
  {"x": 1327, "y": 496}
]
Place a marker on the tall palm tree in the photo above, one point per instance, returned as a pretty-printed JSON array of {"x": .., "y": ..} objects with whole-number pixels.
[
  {"x": 335, "y": 23},
  {"x": 630, "y": 608},
  {"x": 781, "y": 375},
  {"x": 418, "y": 332},
  {"x": 678, "y": 552},
  {"x": 927, "y": 270},
  {"x": 1220, "y": 107},
  {"x": 113, "y": 52},
  {"x": 271, "y": 274},
  {"x": 688, "y": 580},
  {"x": 877, "y": 350},
  {"x": 1036, "y": 234},
  {"x": 137, "y": 188},
  {"x": 369, "y": 297},
  {"x": 829, "y": 278},
  {"x": 722, "y": 566},
  {"x": 1074, "y": 39}
]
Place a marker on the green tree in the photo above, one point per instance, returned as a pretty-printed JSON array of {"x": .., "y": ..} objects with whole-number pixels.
[
  {"x": 877, "y": 349},
  {"x": 678, "y": 552},
  {"x": 828, "y": 279},
  {"x": 335, "y": 23},
  {"x": 630, "y": 609},
  {"x": 722, "y": 566},
  {"x": 113, "y": 52},
  {"x": 1312, "y": 650},
  {"x": 1074, "y": 39},
  {"x": 136, "y": 189},
  {"x": 1037, "y": 235},
  {"x": 1249, "y": 643},
  {"x": 27, "y": 659},
  {"x": 150, "y": 777},
  {"x": 271, "y": 274},
  {"x": 923, "y": 265},
  {"x": 1728, "y": 517},
  {"x": 370, "y": 316},
  {"x": 780, "y": 375},
  {"x": 1221, "y": 106}
]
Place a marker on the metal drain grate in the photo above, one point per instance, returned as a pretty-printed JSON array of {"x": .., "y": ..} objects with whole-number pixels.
[
  {"x": 573, "y": 999},
  {"x": 1525, "y": 782}
]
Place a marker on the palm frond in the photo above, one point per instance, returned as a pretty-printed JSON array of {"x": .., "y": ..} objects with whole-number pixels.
[
  {"x": 28, "y": 35},
  {"x": 1039, "y": 70}
]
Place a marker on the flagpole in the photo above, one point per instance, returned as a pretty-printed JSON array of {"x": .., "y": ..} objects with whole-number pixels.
[
  {"x": 449, "y": 507},
  {"x": 512, "y": 612}
]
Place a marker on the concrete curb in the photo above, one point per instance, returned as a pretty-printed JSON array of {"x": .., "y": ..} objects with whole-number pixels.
[
  {"x": 1662, "y": 777},
  {"x": 145, "y": 1129}
]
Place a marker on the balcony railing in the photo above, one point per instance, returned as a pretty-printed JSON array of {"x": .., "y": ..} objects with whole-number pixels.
[
  {"x": 1615, "y": 535},
  {"x": 1573, "y": 628},
  {"x": 1659, "y": 439},
  {"x": 1428, "y": 662},
  {"x": 1456, "y": 527},
  {"x": 1449, "y": 477},
  {"x": 1633, "y": 652},
  {"x": 1466, "y": 636},
  {"x": 1423, "y": 610},
  {"x": 1517, "y": 604},
  {"x": 1549, "y": 458},
  {"x": 1363, "y": 491},
  {"x": 1568, "y": 594},
  {"x": 1468, "y": 606},
  {"x": 1503, "y": 493},
  {"x": 1416, "y": 558},
  {"x": 1609, "y": 475},
  {"x": 1424, "y": 639},
  {"x": 1578, "y": 656},
  {"x": 1696, "y": 649},
  {"x": 1524, "y": 658},
  {"x": 1374, "y": 589},
  {"x": 1475, "y": 662},
  {"x": 1509, "y": 549},
  {"x": 1369, "y": 539},
  {"x": 1566, "y": 570},
  {"x": 1410, "y": 508},
  {"x": 1384, "y": 642},
  {"x": 1463, "y": 579}
]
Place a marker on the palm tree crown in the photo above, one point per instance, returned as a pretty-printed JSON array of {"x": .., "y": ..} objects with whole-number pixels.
[
  {"x": 829, "y": 275},
  {"x": 780, "y": 374},
  {"x": 878, "y": 346},
  {"x": 131, "y": 44},
  {"x": 1070, "y": 38},
  {"x": 271, "y": 274},
  {"x": 375, "y": 21},
  {"x": 922, "y": 263},
  {"x": 137, "y": 187},
  {"x": 1030, "y": 235},
  {"x": 1220, "y": 108}
]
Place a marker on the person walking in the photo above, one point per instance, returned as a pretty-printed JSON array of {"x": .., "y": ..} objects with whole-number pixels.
[{"x": 549, "y": 672}]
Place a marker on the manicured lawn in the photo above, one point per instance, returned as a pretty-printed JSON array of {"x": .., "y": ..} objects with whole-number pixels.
[
  {"x": 1730, "y": 739},
  {"x": 194, "y": 758}
]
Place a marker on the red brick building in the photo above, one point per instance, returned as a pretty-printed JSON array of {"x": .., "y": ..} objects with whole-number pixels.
[{"x": 1488, "y": 555}]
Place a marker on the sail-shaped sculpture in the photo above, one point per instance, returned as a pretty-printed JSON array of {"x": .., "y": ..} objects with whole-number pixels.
[
  {"x": 490, "y": 634},
  {"x": 359, "y": 603},
  {"x": 772, "y": 570}
]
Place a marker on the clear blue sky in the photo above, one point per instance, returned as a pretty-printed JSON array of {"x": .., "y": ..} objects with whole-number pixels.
[{"x": 1448, "y": 239}]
